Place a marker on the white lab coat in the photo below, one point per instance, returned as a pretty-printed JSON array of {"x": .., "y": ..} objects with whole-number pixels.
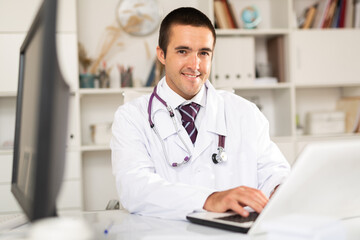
[{"x": 147, "y": 185}]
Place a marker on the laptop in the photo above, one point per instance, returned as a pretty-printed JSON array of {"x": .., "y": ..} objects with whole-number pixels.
[{"x": 323, "y": 182}]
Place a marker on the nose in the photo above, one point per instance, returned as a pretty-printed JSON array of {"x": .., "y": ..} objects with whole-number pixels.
[{"x": 194, "y": 62}]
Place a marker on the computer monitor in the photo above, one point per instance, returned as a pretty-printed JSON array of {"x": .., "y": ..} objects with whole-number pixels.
[{"x": 41, "y": 119}]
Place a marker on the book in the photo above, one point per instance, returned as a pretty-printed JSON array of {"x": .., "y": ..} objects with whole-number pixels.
[
  {"x": 220, "y": 15},
  {"x": 326, "y": 14},
  {"x": 335, "y": 20},
  {"x": 276, "y": 56},
  {"x": 357, "y": 128},
  {"x": 330, "y": 14},
  {"x": 349, "y": 17},
  {"x": 151, "y": 77},
  {"x": 159, "y": 72},
  {"x": 235, "y": 15},
  {"x": 156, "y": 73},
  {"x": 301, "y": 19},
  {"x": 309, "y": 17},
  {"x": 351, "y": 107},
  {"x": 322, "y": 10},
  {"x": 229, "y": 14},
  {"x": 357, "y": 14},
  {"x": 342, "y": 13}
]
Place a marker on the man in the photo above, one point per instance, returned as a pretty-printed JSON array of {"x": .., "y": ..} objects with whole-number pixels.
[{"x": 168, "y": 171}]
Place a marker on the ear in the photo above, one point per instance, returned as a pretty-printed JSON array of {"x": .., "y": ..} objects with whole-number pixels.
[{"x": 160, "y": 55}]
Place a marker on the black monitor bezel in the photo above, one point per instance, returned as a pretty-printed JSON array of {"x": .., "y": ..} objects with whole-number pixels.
[{"x": 46, "y": 179}]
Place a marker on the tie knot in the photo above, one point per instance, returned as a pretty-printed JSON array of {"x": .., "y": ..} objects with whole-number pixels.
[{"x": 189, "y": 111}]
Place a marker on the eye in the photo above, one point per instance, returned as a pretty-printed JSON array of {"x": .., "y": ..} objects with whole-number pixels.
[
  {"x": 181, "y": 51},
  {"x": 205, "y": 53}
]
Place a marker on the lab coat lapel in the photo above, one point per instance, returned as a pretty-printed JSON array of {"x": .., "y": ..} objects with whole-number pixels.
[
  {"x": 165, "y": 126},
  {"x": 214, "y": 122}
]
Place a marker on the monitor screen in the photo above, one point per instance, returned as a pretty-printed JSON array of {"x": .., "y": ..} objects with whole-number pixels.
[{"x": 41, "y": 119}]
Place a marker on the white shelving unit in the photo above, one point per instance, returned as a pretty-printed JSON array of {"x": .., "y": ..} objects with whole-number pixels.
[
  {"x": 15, "y": 20},
  {"x": 321, "y": 66}
]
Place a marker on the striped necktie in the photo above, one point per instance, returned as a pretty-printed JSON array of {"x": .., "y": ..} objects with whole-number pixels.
[{"x": 188, "y": 114}]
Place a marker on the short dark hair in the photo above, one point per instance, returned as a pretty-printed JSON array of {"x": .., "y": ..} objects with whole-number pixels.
[{"x": 183, "y": 16}]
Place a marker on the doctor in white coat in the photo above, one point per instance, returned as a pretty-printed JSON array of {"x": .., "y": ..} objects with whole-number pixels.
[{"x": 159, "y": 170}]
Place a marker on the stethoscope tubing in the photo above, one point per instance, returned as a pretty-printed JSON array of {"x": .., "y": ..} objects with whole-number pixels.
[{"x": 221, "y": 144}]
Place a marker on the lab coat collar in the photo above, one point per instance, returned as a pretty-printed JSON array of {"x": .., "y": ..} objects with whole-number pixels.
[
  {"x": 215, "y": 120},
  {"x": 213, "y": 123},
  {"x": 164, "y": 123},
  {"x": 175, "y": 100}
]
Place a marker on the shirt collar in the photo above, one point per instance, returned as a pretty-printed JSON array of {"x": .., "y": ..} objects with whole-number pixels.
[{"x": 175, "y": 100}]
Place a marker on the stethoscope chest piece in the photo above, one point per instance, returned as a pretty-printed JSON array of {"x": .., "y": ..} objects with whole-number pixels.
[{"x": 219, "y": 157}]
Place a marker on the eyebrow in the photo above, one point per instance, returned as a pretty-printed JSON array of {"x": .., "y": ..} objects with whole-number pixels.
[{"x": 188, "y": 48}]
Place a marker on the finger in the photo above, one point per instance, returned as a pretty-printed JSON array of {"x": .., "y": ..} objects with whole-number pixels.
[
  {"x": 246, "y": 201},
  {"x": 255, "y": 206},
  {"x": 254, "y": 194},
  {"x": 253, "y": 199},
  {"x": 260, "y": 198},
  {"x": 259, "y": 194},
  {"x": 239, "y": 209}
]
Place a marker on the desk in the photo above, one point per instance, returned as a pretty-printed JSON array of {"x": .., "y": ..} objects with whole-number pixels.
[
  {"x": 130, "y": 226},
  {"x": 127, "y": 226}
]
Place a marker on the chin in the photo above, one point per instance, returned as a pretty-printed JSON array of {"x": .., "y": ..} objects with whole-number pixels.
[{"x": 192, "y": 92}]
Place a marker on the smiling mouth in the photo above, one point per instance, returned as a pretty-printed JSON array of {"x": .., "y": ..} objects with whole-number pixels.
[{"x": 191, "y": 75}]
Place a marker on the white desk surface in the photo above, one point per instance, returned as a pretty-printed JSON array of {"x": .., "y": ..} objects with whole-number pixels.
[{"x": 129, "y": 226}]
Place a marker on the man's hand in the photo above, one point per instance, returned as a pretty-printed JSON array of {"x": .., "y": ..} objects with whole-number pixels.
[{"x": 236, "y": 199}]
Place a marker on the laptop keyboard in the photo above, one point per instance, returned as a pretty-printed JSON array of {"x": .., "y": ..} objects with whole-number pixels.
[{"x": 240, "y": 219}]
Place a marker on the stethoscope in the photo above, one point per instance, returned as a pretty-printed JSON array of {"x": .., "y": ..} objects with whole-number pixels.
[{"x": 218, "y": 157}]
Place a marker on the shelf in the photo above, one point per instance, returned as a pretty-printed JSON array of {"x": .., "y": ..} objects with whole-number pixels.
[
  {"x": 344, "y": 136},
  {"x": 8, "y": 94},
  {"x": 92, "y": 148},
  {"x": 282, "y": 138},
  {"x": 327, "y": 29},
  {"x": 314, "y": 138},
  {"x": 6, "y": 151},
  {"x": 263, "y": 86},
  {"x": 68, "y": 149},
  {"x": 105, "y": 91},
  {"x": 252, "y": 32},
  {"x": 327, "y": 85},
  {"x": 93, "y": 91}
]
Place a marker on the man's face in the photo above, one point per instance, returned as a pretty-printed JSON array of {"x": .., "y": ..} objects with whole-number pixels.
[{"x": 188, "y": 59}]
